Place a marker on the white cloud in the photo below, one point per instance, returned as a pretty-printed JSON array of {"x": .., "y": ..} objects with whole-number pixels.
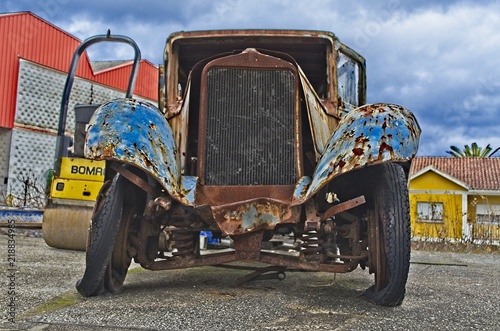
[
  {"x": 442, "y": 64},
  {"x": 439, "y": 59},
  {"x": 438, "y": 141}
]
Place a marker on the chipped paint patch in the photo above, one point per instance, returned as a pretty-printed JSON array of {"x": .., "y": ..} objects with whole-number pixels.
[
  {"x": 367, "y": 135},
  {"x": 243, "y": 217},
  {"x": 301, "y": 187},
  {"x": 255, "y": 214},
  {"x": 188, "y": 188},
  {"x": 136, "y": 132}
]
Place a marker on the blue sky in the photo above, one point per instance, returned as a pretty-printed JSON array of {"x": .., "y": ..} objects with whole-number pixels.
[{"x": 439, "y": 59}]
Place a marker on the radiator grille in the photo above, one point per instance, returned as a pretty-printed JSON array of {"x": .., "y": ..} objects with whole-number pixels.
[{"x": 250, "y": 127}]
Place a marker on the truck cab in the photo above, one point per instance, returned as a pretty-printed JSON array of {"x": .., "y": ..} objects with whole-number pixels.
[{"x": 257, "y": 133}]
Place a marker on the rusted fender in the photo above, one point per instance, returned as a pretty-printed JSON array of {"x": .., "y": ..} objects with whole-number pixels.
[
  {"x": 366, "y": 135},
  {"x": 136, "y": 132}
]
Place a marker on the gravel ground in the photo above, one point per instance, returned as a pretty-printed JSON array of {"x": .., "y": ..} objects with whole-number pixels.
[{"x": 446, "y": 291}]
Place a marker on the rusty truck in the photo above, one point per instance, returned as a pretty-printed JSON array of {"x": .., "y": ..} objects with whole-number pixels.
[{"x": 256, "y": 134}]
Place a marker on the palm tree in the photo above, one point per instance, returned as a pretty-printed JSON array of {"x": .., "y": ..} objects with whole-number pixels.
[{"x": 473, "y": 151}]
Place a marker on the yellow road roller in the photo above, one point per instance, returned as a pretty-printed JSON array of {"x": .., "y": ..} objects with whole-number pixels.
[{"x": 76, "y": 181}]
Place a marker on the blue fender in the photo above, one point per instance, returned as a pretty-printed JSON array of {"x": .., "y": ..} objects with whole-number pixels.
[
  {"x": 366, "y": 135},
  {"x": 137, "y": 133}
]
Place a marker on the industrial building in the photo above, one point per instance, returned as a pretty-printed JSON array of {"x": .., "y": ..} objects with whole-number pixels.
[{"x": 35, "y": 56}]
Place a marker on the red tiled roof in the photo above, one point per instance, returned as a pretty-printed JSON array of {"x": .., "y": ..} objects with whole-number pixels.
[{"x": 477, "y": 173}]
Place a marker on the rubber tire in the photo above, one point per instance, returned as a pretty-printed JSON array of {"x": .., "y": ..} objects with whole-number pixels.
[
  {"x": 118, "y": 265},
  {"x": 102, "y": 233},
  {"x": 392, "y": 211}
]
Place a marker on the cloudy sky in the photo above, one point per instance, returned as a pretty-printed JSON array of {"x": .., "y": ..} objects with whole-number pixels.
[{"x": 439, "y": 59}]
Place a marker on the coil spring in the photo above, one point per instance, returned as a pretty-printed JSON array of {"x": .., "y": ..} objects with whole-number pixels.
[
  {"x": 311, "y": 246},
  {"x": 183, "y": 243},
  {"x": 183, "y": 236}
]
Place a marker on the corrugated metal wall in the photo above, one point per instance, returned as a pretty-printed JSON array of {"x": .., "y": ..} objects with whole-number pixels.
[
  {"x": 147, "y": 79},
  {"x": 26, "y": 36},
  {"x": 29, "y": 37}
]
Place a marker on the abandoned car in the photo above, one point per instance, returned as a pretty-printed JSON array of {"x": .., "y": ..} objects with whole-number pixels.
[{"x": 257, "y": 134}]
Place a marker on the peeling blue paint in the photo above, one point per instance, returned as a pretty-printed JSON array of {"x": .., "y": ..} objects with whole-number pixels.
[
  {"x": 301, "y": 187},
  {"x": 250, "y": 215},
  {"x": 136, "y": 132},
  {"x": 255, "y": 216},
  {"x": 366, "y": 135},
  {"x": 188, "y": 188}
]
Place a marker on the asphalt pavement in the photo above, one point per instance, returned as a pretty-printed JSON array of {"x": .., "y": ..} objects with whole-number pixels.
[{"x": 445, "y": 291}]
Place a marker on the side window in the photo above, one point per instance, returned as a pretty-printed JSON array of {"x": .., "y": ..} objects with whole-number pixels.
[
  {"x": 348, "y": 72},
  {"x": 488, "y": 214},
  {"x": 430, "y": 212}
]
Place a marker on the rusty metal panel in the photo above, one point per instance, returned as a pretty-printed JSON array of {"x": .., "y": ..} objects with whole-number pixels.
[
  {"x": 136, "y": 132},
  {"x": 179, "y": 125},
  {"x": 239, "y": 209},
  {"x": 250, "y": 127},
  {"x": 249, "y": 109},
  {"x": 367, "y": 135},
  {"x": 250, "y": 215},
  {"x": 322, "y": 124},
  {"x": 309, "y": 48}
]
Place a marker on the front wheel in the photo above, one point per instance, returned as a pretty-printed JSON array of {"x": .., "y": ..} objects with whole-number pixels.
[
  {"x": 101, "y": 237},
  {"x": 118, "y": 265},
  {"x": 389, "y": 235}
]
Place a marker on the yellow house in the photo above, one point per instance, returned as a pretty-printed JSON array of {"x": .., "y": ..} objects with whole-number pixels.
[{"x": 455, "y": 199}]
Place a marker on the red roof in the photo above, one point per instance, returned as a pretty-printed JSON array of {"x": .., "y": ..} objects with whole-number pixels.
[
  {"x": 477, "y": 173},
  {"x": 27, "y": 36}
]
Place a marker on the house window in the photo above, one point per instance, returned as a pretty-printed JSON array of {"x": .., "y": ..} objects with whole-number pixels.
[
  {"x": 430, "y": 212},
  {"x": 487, "y": 214}
]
